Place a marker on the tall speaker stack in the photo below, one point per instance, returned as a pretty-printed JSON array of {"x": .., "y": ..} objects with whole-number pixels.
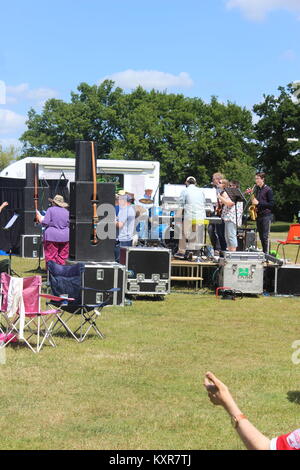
[
  {"x": 32, "y": 190},
  {"x": 30, "y": 230},
  {"x": 83, "y": 245}
]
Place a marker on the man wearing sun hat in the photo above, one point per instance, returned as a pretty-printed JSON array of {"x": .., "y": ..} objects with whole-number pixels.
[{"x": 56, "y": 233}]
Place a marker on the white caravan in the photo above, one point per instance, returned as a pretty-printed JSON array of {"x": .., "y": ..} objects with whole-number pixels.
[{"x": 131, "y": 175}]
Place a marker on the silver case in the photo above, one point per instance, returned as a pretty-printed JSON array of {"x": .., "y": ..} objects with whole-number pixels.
[{"x": 242, "y": 271}]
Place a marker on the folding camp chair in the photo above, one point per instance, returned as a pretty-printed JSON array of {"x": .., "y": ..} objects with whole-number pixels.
[
  {"x": 76, "y": 317},
  {"x": 21, "y": 316},
  {"x": 293, "y": 238}
]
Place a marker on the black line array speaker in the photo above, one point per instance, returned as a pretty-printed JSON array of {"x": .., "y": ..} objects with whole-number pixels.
[
  {"x": 84, "y": 168},
  {"x": 82, "y": 210},
  {"x": 81, "y": 222},
  {"x": 82, "y": 248},
  {"x": 32, "y": 169},
  {"x": 81, "y": 197}
]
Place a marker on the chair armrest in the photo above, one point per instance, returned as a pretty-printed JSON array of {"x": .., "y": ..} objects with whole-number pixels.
[{"x": 55, "y": 297}]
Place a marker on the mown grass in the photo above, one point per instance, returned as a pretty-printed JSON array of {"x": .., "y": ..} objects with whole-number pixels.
[{"x": 141, "y": 387}]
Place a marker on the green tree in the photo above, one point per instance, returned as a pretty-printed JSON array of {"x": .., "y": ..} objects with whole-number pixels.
[
  {"x": 186, "y": 135},
  {"x": 89, "y": 116},
  {"x": 7, "y": 156},
  {"x": 277, "y": 156}
]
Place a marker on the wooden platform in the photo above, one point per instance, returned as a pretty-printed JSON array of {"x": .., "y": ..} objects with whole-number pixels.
[{"x": 190, "y": 272}]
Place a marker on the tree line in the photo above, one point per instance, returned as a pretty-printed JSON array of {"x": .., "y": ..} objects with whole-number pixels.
[{"x": 186, "y": 135}]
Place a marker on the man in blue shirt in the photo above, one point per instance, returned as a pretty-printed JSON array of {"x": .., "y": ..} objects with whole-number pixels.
[{"x": 125, "y": 222}]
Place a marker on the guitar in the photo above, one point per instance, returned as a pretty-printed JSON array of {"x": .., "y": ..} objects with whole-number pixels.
[{"x": 219, "y": 207}]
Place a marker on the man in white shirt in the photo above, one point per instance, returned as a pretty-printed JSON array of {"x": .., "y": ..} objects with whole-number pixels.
[{"x": 192, "y": 202}]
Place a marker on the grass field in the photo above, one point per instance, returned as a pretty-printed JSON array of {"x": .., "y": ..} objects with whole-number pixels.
[{"x": 141, "y": 387}]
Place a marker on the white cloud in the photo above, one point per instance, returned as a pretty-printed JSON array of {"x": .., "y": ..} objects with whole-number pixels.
[
  {"x": 149, "y": 79},
  {"x": 18, "y": 89},
  {"x": 289, "y": 55},
  {"x": 11, "y": 122},
  {"x": 24, "y": 92},
  {"x": 257, "y": 10}
]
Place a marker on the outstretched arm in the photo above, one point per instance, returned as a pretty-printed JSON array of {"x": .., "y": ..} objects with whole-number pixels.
[
  {"x": 4, "y": 204},
  {"x": 220, "y": 395}
]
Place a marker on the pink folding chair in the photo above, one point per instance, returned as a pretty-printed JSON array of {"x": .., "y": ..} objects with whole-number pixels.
[{"x": 21, "y": 315}]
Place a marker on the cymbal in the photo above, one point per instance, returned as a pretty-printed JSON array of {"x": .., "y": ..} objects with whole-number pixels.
[{"x": 146, "y": 201}]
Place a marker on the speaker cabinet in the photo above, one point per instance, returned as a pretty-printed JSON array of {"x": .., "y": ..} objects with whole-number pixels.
[
  {"x": 84, "y": 169},
  {"x": 81, "y": 197},
  {"x": 283, "y": 280},
  {"x": 81, "y": 247},
  {"x": 246, "y": 239},
  {"x": 32, "y": 170}
]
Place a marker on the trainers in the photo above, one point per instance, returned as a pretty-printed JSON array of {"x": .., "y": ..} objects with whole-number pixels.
[{"x": 179, "y": 256}]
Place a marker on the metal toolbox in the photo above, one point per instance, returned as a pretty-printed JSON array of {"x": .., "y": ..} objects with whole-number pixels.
[
  {"x": 242, "y": 271},
  {"x": 148, "y": 270},
  {"x": 103, "y": 276},
  {"x": 32, "y": 246}
]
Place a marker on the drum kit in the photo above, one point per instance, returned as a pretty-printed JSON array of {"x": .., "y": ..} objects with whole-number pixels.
[{"x": 156, "y": 225}]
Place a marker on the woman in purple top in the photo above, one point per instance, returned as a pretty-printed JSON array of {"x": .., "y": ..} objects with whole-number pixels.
[{"x": 56, "y": 233}]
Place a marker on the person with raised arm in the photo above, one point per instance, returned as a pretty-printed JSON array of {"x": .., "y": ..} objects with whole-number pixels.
[{"x": 253, "y": 439}]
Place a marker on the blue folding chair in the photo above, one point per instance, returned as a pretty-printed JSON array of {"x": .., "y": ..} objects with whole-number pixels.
[{"x": 66, "y": 283}]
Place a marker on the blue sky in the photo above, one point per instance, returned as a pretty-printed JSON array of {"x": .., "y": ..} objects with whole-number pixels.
[{"x": 237, "y": 50}]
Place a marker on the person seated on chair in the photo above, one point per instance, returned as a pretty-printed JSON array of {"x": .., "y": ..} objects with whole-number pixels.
[
  {"x": 253, "y": 439},
  {"x": 56, "y": 233}
]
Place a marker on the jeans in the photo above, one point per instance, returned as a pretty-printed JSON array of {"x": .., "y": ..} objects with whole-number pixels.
[
  {"x": 263, "y": 225},
  {"x": 117, "y": 248}
]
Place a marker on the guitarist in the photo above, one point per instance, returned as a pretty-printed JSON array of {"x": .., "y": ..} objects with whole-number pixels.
[
  {"x": 264, "y": 202},
  {"x": 216, "y": 231},
  {"x": 220, "y": 228}
]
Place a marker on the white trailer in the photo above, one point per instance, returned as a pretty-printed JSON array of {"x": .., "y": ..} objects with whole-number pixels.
[{"x": 135, "y": 176}]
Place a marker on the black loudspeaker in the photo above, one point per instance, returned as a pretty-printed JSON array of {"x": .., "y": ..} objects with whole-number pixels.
[
  {"x": 32, "y": 169},
  {"x": 84, "y": 168},
  {"x": 82, "y": 248},
  {"x": 246, "y": 239},
  {"x": 81, "y": 197},
  {"x": 283, "y": 280}
]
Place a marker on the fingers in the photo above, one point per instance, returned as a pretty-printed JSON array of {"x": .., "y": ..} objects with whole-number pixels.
[{"x": 212, "y": 378}]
